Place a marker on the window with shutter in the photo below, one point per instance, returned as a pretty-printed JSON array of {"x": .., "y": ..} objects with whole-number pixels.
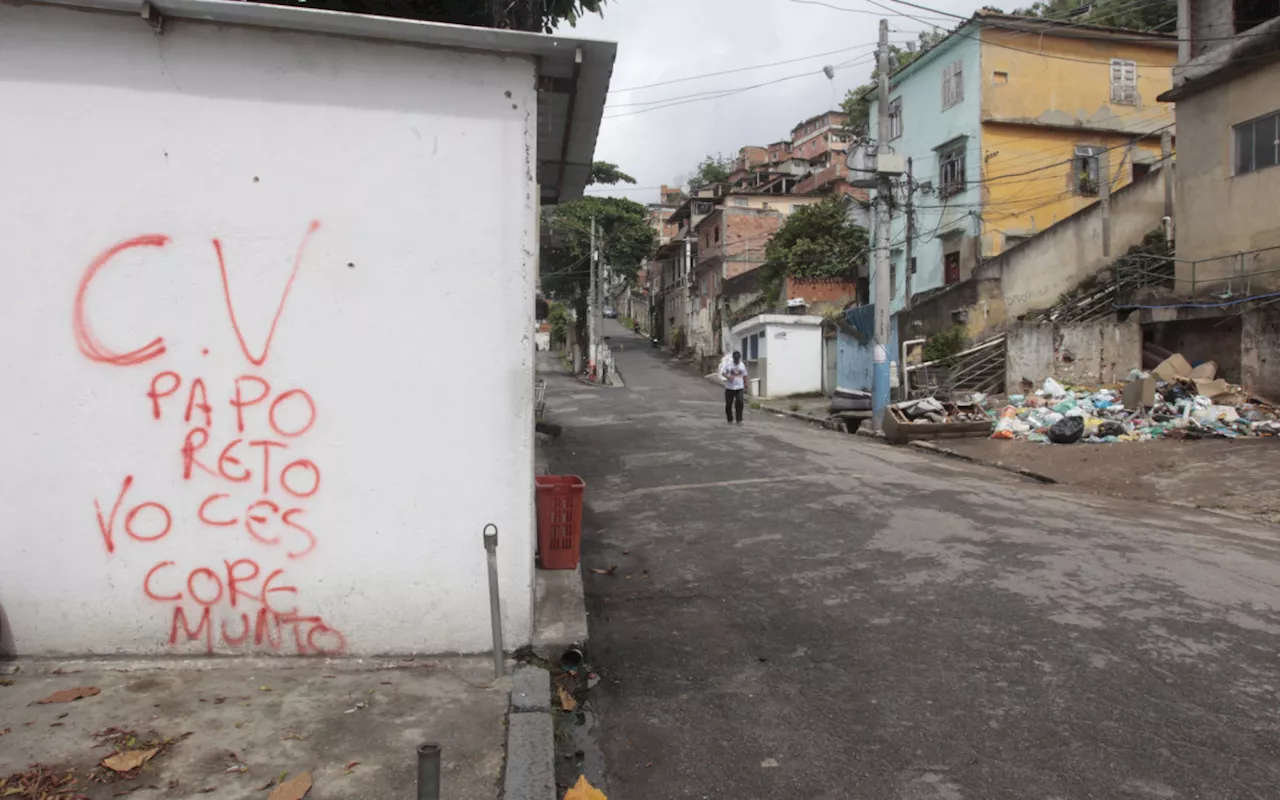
[
  {"x": 895, "y": 118},
  {"x": 952, "y": 84},
  {"x": 951, "y": 170},
  {"x": 1124, "y": 82}
]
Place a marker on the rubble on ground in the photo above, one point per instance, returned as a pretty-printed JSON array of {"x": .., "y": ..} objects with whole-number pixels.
[{"x": 1174, "y": 400}]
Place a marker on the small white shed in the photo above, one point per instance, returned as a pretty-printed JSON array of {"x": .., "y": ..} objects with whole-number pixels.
[{"x": 783, "y": 352}]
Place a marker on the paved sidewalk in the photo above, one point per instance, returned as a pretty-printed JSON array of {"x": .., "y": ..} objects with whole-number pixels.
[{"x": 233, "y": 727}]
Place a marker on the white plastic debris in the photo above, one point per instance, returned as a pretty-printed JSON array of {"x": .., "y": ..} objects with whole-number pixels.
[{"x": 1053, "y": 389}]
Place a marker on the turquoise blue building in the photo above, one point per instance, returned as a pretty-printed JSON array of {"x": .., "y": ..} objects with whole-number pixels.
[{"x": 935, "y": 120}]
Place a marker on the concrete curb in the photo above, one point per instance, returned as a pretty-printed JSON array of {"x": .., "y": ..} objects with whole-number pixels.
[
  {"x": 530, "y": 772},
  {"x": 930, "y": 447},
  {"x": 800, "y": 415}
]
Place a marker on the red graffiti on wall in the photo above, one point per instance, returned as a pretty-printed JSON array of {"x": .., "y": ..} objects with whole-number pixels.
[{"x": 241, "y": 452}]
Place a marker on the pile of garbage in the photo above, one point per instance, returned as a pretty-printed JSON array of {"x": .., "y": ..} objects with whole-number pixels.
[
  {"x": 930, "y": 410},
  {"x": 1149, "y": 407}
]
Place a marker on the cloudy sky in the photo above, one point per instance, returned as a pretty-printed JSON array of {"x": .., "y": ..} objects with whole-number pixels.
[{"x": 665, "y": 40}]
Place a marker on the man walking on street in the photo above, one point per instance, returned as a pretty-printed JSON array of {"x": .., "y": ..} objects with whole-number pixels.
[{"x": 735, "y": 384}]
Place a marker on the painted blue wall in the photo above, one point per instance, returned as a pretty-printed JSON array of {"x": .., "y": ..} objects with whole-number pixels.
[
  {"x": 926, "y": 127},
  {"x": 854, "y": 354}
]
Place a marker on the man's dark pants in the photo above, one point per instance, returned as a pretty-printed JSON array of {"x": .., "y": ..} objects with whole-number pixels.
[{"x": 733, "y": 403}]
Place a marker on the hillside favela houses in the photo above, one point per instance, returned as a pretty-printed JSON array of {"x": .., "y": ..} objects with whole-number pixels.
[
  {"x": 1010, "y": 125},
  {"x": 704, "y": 277},
  {"x": 221, "y": 312},
  {"x": 1036, "y": 151}
]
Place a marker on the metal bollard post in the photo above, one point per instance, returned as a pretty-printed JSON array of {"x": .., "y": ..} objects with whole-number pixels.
[
  {"x": 429, "y": 771},
  {"x": 495, "y": 607}
]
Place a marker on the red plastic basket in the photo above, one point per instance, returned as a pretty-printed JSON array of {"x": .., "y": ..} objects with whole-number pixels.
[{"x": 559, "y": 500}]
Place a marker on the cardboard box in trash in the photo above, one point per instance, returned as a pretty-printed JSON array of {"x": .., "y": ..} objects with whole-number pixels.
[
  {"x": 1139, "y": 393},
  {"x": 900, "y": 430}
]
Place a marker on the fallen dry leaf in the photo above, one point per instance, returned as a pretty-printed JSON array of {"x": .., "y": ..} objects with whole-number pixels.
[
  {"x": 3, "y": 731},
  {"x": 292, "y": 735},
  {"x": 612, "y": 569},
  {"x": 68, "y": 695},
  {"x": 127, "y": 760},
  {"x": 351, "y": 764},
  {"x": 6, "y": 682},
  {"x": 566, "y": 700},
  {"x": 207, "y": 790},
  {"x": 583, "y": 790},
  {"x": 293, "y": 789},
  {"x": 266, "y": 786}
]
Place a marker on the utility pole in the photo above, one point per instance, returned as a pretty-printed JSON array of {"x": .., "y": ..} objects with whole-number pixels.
[
  {"x": 911, "y": 236},
  {"x": 880, "y": 357},
  {"x": 593, "y": 332},
  {"x": 1166, "y": 169},
  {"x": 1104, "y": 197}
]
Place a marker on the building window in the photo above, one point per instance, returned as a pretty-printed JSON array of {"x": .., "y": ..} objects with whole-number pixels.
[
  {"x": 951, "y": 170},
  {"x": 1085, "y": 168},
  {"x": 893, "y": 278},
  {"x": 895, "y": 118},
  {"x": 1124, "y": 82},
  {"x": 1258, "y": 144},
  {"x": 741, "y": 201},
  {"x": 999, "y": 77},
  {"x": 952, "y": 84},
  {"x": 717, "y": 233},
  {"x": 911, "y": 269}
]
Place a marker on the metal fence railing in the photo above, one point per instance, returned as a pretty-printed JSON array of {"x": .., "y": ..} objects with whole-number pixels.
[
  {"x": 1236, "y": 275},
  {"x": 981, "y": 368}
]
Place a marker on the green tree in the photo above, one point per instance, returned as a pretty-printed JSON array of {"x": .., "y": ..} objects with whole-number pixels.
[
  {"x": 522, "y": 15},
  {"x": 1111, "y": 13},
  {"x": 816, "y": 241},
  {"x": 857, "y": 103},
  {"x": 604, "y": 172},
  {"x": 624, "y": 237},
  {"x": 713, "y": 169}
]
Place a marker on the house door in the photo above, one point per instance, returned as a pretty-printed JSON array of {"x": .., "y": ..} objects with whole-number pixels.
[{"x": 951, "y": 268}]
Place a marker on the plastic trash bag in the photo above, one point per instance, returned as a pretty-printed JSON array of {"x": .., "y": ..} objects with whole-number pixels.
[
  {"x": 1065, "y": 406},
  {"x": 1054, "y": 389},
  {"x": 1067, "y": 430},
  {"x": 1111, "y": 428}
]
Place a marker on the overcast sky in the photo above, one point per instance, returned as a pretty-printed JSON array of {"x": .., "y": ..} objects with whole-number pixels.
[{"x": 661, "y": 40}]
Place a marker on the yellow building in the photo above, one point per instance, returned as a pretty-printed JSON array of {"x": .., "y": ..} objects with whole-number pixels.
[
  {"x": 1010, "y": 125},
  {"x": 1063, "y": 108}
]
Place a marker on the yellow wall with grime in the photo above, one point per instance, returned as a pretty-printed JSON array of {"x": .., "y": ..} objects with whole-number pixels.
[{"x": 1036, "y": 110}]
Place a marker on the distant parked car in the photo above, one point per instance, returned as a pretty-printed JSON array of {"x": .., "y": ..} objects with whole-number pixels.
[{"x": 610, "y": 312}]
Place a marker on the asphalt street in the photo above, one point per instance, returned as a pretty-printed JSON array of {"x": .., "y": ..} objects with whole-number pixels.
[{"x": 799, "y": 613}]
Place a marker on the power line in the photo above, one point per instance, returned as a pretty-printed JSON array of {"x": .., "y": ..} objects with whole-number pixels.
[
  {"x": 717, "y": 94},
  {"x": 742, "y": 69},
  {"x": 853, "y": 10}
]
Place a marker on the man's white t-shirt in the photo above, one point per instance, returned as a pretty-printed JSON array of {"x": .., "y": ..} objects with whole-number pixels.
[{"x": 735, "y": 375}]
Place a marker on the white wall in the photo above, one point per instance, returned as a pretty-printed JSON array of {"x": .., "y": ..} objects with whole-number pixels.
[
  {"x": 790, "y": 352},
  {"x": 795, "y": 359},
  {"x": 363, "y": 195}
]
